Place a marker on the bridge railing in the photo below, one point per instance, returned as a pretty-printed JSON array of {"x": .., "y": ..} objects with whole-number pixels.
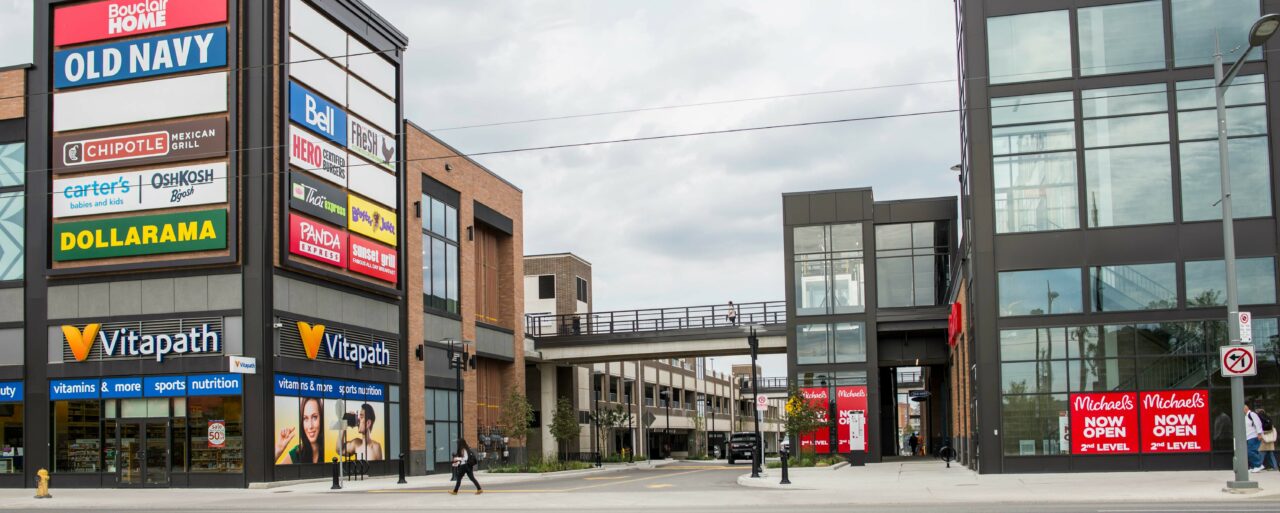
[{"x": 656, "y": 319}]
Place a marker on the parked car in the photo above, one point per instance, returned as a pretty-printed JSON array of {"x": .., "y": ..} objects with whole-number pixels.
[{"x": 742, "y": 446}]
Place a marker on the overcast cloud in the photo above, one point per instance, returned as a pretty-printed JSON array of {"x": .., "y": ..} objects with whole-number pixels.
[{"x": 686, "y": 221}]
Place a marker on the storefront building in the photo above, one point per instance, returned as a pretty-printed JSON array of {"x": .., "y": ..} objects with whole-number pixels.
[
  {"x": 214, "y": 292},
  {"x": 866, "y": 283},
  {"x": 1093, "y": 271}
]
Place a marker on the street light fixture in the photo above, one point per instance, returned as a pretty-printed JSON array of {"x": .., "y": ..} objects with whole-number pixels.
[
  {"x": 665, "y": 394},
  {"x": 1262, "y": 30},
  {"x": 459, "y": 358},
  {"x": 599, "y": 378},
  {"x": 754, "y": 343}
]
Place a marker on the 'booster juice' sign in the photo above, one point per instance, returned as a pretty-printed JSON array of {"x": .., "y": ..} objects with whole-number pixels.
[{"x": 1104, "y": 423}]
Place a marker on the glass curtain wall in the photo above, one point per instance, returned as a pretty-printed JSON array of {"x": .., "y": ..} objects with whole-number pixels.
[
  {"x": 439, "y": 255},
  {"x": 911, "y": 264},
  {"x": 1246, "y": 148},
  {"x": 1033, "y": 140},
  {"x": 828, "y": 269}
]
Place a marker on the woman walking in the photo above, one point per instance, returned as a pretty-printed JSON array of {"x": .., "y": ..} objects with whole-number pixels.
[{"x": 464, "y": 462}]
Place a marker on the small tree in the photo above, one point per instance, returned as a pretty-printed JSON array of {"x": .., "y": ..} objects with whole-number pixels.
[
  {"x": 607, "y": 420},
  {"x": 564, "y": 423},
  {"x": 698, "y": 448},
  {"x": 515, "y": 416},
  {"x": 802, "y": 416}
]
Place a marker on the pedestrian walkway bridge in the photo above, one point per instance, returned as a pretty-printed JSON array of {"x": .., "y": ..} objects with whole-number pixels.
[{"x": 687, "y": 331}]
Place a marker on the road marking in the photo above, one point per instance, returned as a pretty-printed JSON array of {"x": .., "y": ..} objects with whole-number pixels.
[
  {"x": 604, "y": 478},
  {"x": 1166, "y": 510},
  {"x": 660, "y": 486},
  {"x": 611, "y": 483},
  {"x": 466, "y": 492}
]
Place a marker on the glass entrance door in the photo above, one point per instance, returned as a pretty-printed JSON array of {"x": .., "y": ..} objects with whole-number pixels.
[{"x": 143, "y": 452}]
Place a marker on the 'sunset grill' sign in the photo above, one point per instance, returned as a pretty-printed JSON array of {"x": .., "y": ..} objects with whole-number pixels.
[
  {"x": 372, "y": 259},
  {"x": 150, "y": 144},
  {"x": 1175, "y": 421},
  {"x": 119, "y": 18},
  {"x": 314, "y": 240},
  {"x": 1104, "y": 423}
]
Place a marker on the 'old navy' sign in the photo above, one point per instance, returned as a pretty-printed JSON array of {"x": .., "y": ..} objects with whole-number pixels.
[
  {"x": 138, "y": 58},
  {"x": 310, "y": 110}
]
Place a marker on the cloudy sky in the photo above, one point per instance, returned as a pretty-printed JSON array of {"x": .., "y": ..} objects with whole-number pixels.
[{"x": 676, "y": 222}]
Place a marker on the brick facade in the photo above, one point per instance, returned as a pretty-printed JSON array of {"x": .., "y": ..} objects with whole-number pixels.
[
  {"x": 426, "y": 155},
  {"x": 565, "y": 267},
  {"x": 13, "y": 88}
]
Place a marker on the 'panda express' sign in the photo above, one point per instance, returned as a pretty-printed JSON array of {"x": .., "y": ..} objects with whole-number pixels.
[{"x": 140, "y": 235}]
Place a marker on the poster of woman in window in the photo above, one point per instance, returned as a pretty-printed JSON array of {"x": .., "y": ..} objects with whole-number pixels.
[
  {"x": 299, "y": 433},
  {"x": 357, "y": 430}
]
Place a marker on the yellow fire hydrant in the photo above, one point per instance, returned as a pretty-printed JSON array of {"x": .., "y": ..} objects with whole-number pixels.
[{"x": 42, "y": 484}]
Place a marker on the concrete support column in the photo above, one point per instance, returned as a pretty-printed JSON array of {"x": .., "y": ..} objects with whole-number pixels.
[{"x": 547, "y": 403}]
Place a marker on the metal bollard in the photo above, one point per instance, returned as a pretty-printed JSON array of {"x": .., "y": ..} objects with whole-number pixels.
[
  {"x": 402, "y": 481},
  {"x": 785, "y": 455},
  {"x": 337, "y": 484},
  {"x": 42, "y": 484}
]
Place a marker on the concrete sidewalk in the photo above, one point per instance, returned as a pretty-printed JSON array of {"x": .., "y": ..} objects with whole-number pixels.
[
  {"x": 920, "y": 482},
  {"x": 443, "y": 480}
]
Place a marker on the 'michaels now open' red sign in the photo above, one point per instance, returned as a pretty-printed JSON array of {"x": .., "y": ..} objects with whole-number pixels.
[
  {"x": 1104, "y": 423},
  {"x": 111, "y": 19},
  {"x": 1175, "y": 421}
]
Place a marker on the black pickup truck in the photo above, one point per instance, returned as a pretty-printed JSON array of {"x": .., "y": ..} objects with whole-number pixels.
[{"x": 741, "y": 447}]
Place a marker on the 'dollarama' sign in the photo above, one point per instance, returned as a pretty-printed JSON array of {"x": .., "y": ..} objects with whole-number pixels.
[{"x": 110, "y": 19}]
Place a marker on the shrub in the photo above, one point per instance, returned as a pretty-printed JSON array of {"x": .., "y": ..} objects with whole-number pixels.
[{"x": 539, "y": 465}]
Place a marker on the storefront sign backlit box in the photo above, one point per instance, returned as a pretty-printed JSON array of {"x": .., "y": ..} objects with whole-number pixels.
[
  {"x": 11, "y": 391},
  {"x": 851, "y": 407},
  {"x": 314, "y": 240},
  {"x": 112, "y": 19},
  {"x": 135, "y": 146},
  {"x": 372, "y": 182},
  {"x": 317, "y": 114},
  {"x": 370, "y": 219},
  {"x": 140, "y": 58},
  {"x": 181, "y": 186},
  {"x": 317, "y": 156},
  {"x": 372, "y": 259},
  {"x": 306, "y": 386},
  {"x": 133, "y": 102},
  {"x": 317, "y": 199},
  {"x": 152, "y": 386},
  {"x": 140, "y": 235},
  {"x": 1175, "y": 421},
  {"x": 1104, "y": 423},
  {"x": 819, "y": 439},
  {"x": 371, "y": 143}
]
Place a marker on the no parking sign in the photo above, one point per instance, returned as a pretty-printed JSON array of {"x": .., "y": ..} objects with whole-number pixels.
[{"x": 1237, "y": 361}]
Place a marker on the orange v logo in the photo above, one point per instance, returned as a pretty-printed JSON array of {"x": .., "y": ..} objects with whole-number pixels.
[
  {"x": 80, "y": 342},
  {"x": 311, "y": 338}
]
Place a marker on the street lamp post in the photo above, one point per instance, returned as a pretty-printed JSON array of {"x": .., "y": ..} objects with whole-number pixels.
[
  {"x": 458, "y": 360},
  {"x": 666, "y": 433},
  {"x": 631, "y": 427},
  {"x": 1262, "y": 30},
  {"x": 758, "y": 454},
  {"x": 595, "y": 421}
]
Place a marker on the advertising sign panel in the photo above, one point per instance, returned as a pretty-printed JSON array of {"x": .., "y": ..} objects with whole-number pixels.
[
  {"x": 851, "y": 407},
  {"x": 338, "y": 347},
  {"x": 183, "y": 186},
  {"x": 373, "y": 183},
  {"x": 11, "y": 391},
  {"x": 371, "y": 143},
  {"x": 111, "y": 19},
  {"x": 316, "y": 241},
  {"x": 367, "y": 218},
  {"x": 217, "y": 434},
  {"x": 317, "y": 156},
  {"x": 372, "y": 259},
  {"x": 317, "y": 72},
  {"x": 144, "y": 340},
  {"x": 316, "y": 198},
  {"x": 1104, "y": 423},
  {"x": 152, "y": 386},
  {"x": 819, "y": 439},
  {"x": 310, "y": 110},
  {"x": 139, "y": 58},
  {"x": 1175, "y": 421},
  {"x": 151, "y": 144},
  {"x": 372, "y": 105},
  {"x": 140, "y": 235},
  {"x": 133, "y": 102}
]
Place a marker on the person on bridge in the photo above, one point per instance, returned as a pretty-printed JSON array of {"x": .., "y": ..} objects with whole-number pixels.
[
  {"x": 464, "y": 463},
  {"x": 732, "y": 315}
]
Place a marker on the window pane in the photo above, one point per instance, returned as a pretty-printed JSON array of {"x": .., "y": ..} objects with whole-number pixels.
[
  {"x": 847, "y": 286},
  {"x": 12, "y": 209},
  {"x": 1174, "y": 371},
  {"x": 809, "y": 239},
  {"x": 1102, "y": 375},
  {"x": 76, "y": 435},
  {"x": 1128, "y": 186},
  {"x": 851, "y": 342},
  {"x": 426, "y": 212},
  {"x": 437, "y": 217},
  {"x": 893, "y": 236},
  {"x": 426, "y": 264},
  {"x": 811, "y": 287},
  {"x": 1025, "y": 47},
  {"x": 1255, "y": 282},
  {"x": 438, "y": 271},
  {"x": 1014, "y": 110},
  {"x": 1149, "y": 128},
  {"x": 451, "y": 278},
  {"x": 1197, "y": 22},
  {"x": 1041, "y": 292},
  {"x": 1203, "y": 124},
  {"x": 1033, "y": 138},
  {"x": 13, "y": 164},
  {"x": 893, "y": 282},
  {"x": 811, "y": 344},
  {"x": 1121, "y": 101},
  {"x": 1115, "y": 341},
  {"x": 924, "y": 278},
  {"x": 451, "y": 223},
  {"x": 1034, "y": 377},
  {"x": 1198, "y": 94},
  {"x": 229, "y": 458},
  {"x": 1018, "y": 345},
  {"x": 1036, "y": 193},
  {"x": 11, "y": 445},
  {"x": 1202, "y": 179},
  {"x": 1034, "y": 425},
  {"x": 846, "y": 237},
  {"x": 1120, "y": 38},
  {"x": 922, "y": 235},
  {"x": 1134, "y": 287}
]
